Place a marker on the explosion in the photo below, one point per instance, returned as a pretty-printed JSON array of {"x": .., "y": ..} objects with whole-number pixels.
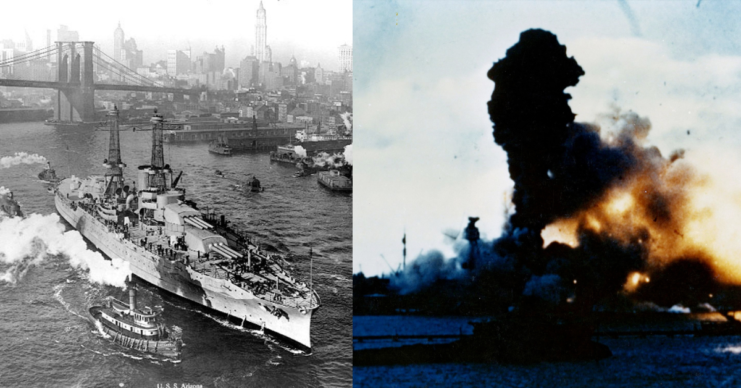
[{"x": 597, "y": 211}]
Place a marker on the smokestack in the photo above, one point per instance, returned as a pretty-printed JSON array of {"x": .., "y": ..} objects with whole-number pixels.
[{"x": 132, "y": 298}]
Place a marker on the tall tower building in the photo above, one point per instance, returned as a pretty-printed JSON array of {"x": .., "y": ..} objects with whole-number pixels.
[
  {"x": 345, "y": 58},
  {"x": 118, "y": 44},
  {"x": 261, "y": 34}
]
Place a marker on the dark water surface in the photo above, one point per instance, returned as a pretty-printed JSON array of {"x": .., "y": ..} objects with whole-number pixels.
[
  {"x": 48, "y": 340},
  {"x": 658, "y": 361}
]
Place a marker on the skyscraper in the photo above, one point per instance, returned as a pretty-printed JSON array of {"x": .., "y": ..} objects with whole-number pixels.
[
  {"x": 118, "y": 44},
  {"x": 345, "y": 58},
  {"x": 261, "y": 33}
]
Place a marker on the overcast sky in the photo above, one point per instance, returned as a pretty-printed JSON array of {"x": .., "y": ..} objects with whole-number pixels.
[
  {"x": 312, "y": 30},
  {"x": 426, "y": 159}
]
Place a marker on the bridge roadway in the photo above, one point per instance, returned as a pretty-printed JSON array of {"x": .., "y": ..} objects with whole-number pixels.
[{"x": 67, "y": 85}]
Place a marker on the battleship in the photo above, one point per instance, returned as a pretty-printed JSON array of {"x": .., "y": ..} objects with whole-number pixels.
[
  {"x": 173, "y": 245},
  {"x": 136, "y": 328}
]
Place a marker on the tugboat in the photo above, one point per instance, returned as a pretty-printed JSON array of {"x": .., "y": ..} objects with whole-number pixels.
[
  {"x": 171, "y": 244},
  {"x": 220, "y": 146},
  {"x": 334, "y": 181},
  {"x": 9, "y": 207},
  {"x": 253, "y": 185},
  {"x": 136, "y": 328},
  {"x": 49, "y": 175}
]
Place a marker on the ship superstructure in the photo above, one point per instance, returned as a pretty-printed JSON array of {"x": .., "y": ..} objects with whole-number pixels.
[{"x": 173, "y": 245}]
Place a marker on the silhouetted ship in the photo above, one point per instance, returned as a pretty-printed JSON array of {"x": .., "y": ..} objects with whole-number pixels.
[
  {"x": 136, "y": 328},
  {"x": 511, "y": 339},
  {"x": 171, "y": 244}
]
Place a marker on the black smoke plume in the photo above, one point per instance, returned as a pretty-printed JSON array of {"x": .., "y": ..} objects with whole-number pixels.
[{"x": 561, "y": 168}]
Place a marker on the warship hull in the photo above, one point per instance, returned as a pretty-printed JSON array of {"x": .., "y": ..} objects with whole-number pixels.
[{"x": 174, "y": 276}]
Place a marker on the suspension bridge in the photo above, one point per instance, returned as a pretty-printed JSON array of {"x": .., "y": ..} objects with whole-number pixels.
[{"x": 76, "y": 65}]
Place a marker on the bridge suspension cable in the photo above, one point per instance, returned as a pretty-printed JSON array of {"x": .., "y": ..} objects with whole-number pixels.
[
  {"x": 124, "y": 71},
  {"x": 27, "y": 57},
  {"x": 125, "y": 76}
]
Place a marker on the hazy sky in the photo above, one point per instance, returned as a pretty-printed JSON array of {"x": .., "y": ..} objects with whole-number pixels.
[
  {"x": 426, "y": 158},
  {"x": 312, "y": 30}
]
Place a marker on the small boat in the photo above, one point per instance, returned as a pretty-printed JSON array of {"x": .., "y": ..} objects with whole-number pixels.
[
  {"x": 140, "y": 329},
  {"x": 49, "y": 175},
  {"x": 220, "y": 146},
  {"x": 253, "y": 185},
  {"x": 335, "y": 181},
  {"x": 219, "y": 173},
  {"x": 9, "y": 207},
  {"x": 285, "y": 154}
]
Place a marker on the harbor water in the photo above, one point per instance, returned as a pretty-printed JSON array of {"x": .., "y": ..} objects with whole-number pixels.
[
  {"x": 49, "y": 339},
  {"x": 654, "y": 361}
]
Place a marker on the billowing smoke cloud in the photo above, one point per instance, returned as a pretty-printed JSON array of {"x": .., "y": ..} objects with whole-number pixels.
[
  {"x": 4, "y": 191},
  {"x": 593, "y": 205},
  {"x": 424, "y": 271},
  {"x": 37, "y": 237},
  {"x": 21, "y": 157},
  {"x": 348, "y": 154},
  {"x": 300, "y": 151},
  {"x": 324, "y": 159}
]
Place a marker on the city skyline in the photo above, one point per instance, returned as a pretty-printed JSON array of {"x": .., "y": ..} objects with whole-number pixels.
[{"x": 323, "y": 29}]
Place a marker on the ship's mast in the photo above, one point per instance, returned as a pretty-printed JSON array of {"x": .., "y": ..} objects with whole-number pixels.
[
  {"x": 115, "y": 166},
  {"x": 404, "y": 262},
  {"x": 158, "y": 179}
]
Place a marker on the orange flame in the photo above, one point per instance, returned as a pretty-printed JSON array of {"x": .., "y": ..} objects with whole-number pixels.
[{"x": 671, "y": 210}]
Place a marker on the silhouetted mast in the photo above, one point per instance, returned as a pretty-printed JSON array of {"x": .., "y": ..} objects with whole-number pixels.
[{"x": 404, "y": 262}]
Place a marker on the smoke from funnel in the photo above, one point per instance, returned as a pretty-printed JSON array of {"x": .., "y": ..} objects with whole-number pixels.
[
  {"x": 324, "y": 159},
  {"x": 348, "y": 154},
  {"x": 347, "y": 119},
  {"x": 38, "y": 237},
  {"x": 300, "y": 151},
  {"x": 21, "y": 158}
]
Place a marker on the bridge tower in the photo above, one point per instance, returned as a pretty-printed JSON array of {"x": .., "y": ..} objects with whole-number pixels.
[{"x": 75, "y": 99}]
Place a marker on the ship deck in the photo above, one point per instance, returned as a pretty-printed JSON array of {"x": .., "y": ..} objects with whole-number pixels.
[{"x": 260, "y": 280}]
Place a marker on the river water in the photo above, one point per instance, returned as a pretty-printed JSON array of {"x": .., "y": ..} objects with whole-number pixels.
[
  {"x": 48, "y": 340},
  {"x": 657, "y": 361}
]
